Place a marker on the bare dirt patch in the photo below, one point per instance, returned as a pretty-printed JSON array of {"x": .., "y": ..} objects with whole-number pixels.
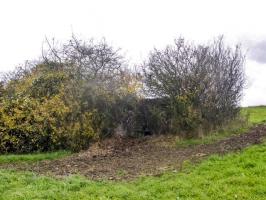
[{"x": 130, "y": 158}]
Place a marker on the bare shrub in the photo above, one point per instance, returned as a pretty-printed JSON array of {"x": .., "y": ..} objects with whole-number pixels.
[{"x": 203, "y": 83}]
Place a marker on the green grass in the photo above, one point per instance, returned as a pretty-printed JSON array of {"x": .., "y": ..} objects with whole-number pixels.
[
  {"x": 257, "y": 115},
  {"x": 254, "y": 115},
  {"x": 34, "y": 157},
  {"x": 212, "y": 137},
  {"x": 234, "y": 176}
]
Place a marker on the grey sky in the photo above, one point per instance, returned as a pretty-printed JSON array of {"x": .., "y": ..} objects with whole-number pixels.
[
  {"x": 137, "y": 26},
  {"x": 257, "y": 51}
]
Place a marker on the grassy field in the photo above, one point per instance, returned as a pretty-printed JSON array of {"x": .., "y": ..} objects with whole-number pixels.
[
  {"x": 236, "y": 176},
  {"x": 257, "y": 115}
]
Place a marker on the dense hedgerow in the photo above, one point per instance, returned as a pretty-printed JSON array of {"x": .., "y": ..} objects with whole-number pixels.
[{"x": 82, "y": 91}]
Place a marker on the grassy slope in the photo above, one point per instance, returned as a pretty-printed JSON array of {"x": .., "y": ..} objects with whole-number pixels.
[
  {"x": 256, "y": 115},
  {"x": 235, "y": 176}
]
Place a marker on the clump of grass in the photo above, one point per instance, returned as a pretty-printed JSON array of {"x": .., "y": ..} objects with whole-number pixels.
[
  {"x": 34, "y": 157},
  {"x": 121, "y": 172}
]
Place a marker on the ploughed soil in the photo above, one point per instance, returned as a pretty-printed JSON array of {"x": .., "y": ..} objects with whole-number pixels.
[{"x": 128, "y": 158}]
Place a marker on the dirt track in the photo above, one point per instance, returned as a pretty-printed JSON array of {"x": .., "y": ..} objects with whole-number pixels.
[{"x": 130, "y": 158}]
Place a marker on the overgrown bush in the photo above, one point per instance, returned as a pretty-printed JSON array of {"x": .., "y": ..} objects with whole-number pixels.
[
  {"x": 203, "y": 84},
  {"x": 37, "y": 116},
  {"x": 77, "y": 93}
]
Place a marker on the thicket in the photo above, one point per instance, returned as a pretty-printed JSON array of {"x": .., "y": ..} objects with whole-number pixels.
[{"x": 82, "y": 91}]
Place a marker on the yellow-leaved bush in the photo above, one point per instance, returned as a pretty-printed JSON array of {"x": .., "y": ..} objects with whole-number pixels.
[{"x": 43, "y": 118}]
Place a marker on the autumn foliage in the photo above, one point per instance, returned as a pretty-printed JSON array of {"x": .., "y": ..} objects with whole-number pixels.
[{"x": 82, "y": 91}]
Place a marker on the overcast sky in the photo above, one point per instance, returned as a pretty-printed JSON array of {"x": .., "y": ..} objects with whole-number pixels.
[{"x": 137, "y": 26}]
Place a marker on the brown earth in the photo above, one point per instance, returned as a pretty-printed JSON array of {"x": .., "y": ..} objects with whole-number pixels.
[{"x": 126, "y": 158}]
